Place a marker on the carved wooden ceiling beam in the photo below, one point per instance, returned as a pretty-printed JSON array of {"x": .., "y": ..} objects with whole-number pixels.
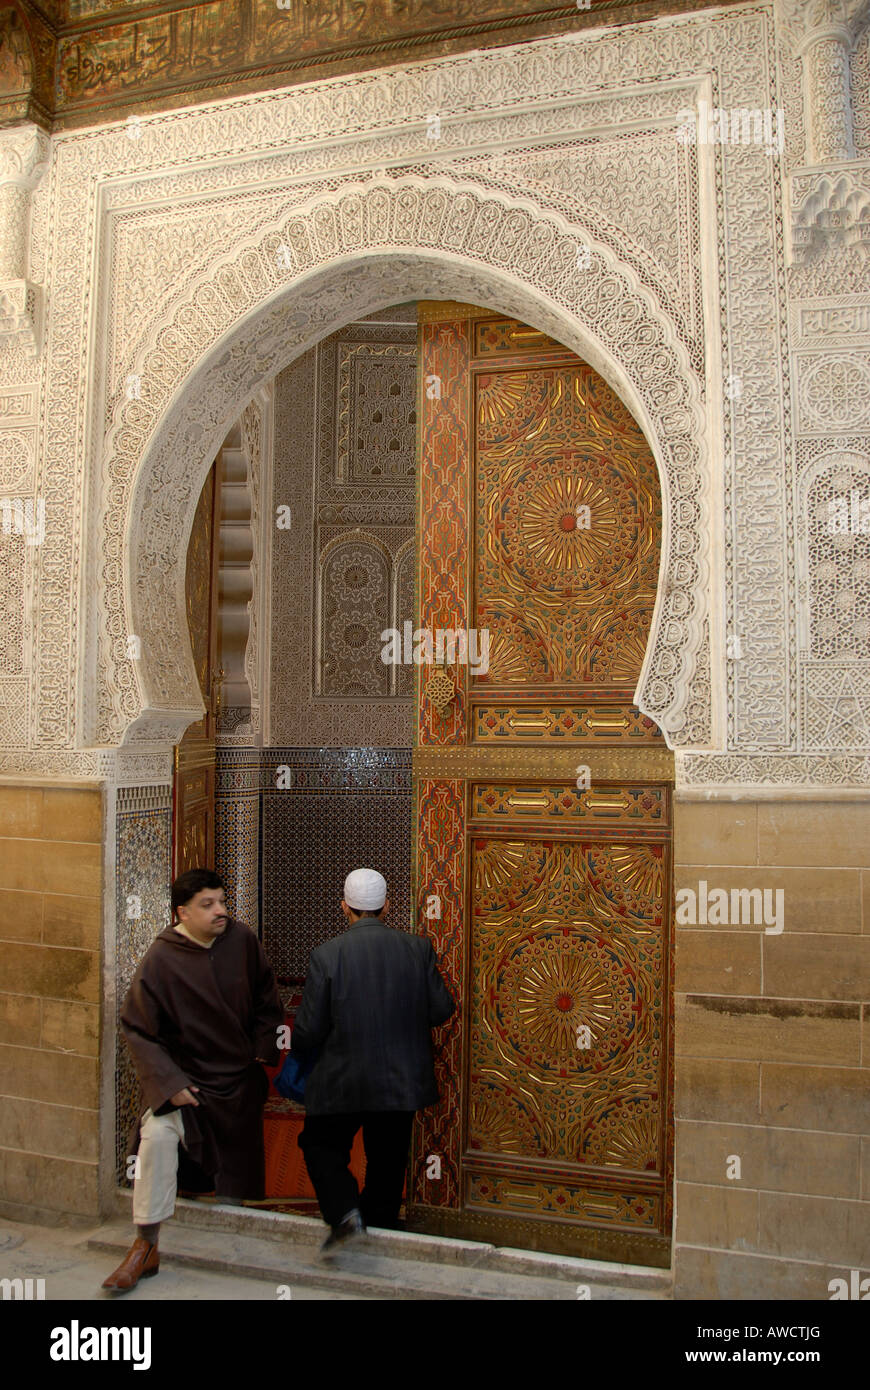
[{"x": 71, "y": 63}]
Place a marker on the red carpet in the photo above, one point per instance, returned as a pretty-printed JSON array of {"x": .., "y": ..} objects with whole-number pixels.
[{"x": 286, "y": 1175}]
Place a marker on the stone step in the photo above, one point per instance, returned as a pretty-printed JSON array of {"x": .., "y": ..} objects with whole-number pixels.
[
  {"x": 362, "y": 1270},
  {"x": 555, "y": 1276}
]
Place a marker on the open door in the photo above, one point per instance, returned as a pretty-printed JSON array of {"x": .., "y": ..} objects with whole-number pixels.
[
  {"x": 543, "y": 868},
  {"x": 194, "y": 762}
]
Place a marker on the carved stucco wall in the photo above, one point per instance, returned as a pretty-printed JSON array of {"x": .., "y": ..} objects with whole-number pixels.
[
  {"x": 197, "y": 277},
  {"x": 860, "y": 93},
  {"x": 825, "y": 43},
  {"x": 649, "y": 350}
]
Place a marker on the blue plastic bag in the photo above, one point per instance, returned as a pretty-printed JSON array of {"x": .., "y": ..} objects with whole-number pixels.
[{"x": 291, "y": 1079}]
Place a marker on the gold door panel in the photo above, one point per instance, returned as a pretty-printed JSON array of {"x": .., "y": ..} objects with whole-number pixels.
[{"x": 544, "y": 803}]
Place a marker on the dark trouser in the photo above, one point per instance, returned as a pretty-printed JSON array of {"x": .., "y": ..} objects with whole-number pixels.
[{"x": 326, "y": 1142}]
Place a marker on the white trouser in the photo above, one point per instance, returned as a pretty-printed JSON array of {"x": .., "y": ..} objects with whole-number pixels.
[{"x": 156, "y": 1172}]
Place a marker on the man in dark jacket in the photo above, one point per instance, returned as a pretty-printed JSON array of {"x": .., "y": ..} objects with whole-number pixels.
[{"x": 371, "y": 998}]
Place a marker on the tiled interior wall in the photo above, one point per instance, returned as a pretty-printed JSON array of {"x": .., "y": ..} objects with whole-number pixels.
[
  {"x": 348, "y": 809},
  {"x": 773, "y": 1053},
  {"x": 237, "y": 830},
  {"x": 143, "y": 854},
  {"x": 50, "y": 993},
  {"x": 350, "y": 499},
  {"x": 340, "y": 809}
]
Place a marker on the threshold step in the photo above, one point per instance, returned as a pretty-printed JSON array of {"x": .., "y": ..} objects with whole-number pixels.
[{"x": 390, "y": 1264}]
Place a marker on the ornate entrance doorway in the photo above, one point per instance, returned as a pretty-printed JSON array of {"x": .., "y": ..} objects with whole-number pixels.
[{"x": 543, "y": 853}]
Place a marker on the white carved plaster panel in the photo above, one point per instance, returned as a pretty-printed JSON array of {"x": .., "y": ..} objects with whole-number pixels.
[
  {"x": 151, "y": 767},
  {"x": 833, "y": 557},
  {"x": 834, "y": 535},
  {"x": 835, "y": 698},
  {"x": 17, "y": 460},
  {"x": 658, "y": 234},
  {"x": 860, "y": 94},
  {"x": 18, "y": 406},
  {"x": 822, "y": 35},
  {"x": 512, "y": 252},
  {"x": 792, "y": 106},
  {"x": 833, "y": 392},
  {"x": 830, "y": 225},
  {"x": 838, "y": 321},
  {"x": 605, "y": 299},
  {"x": 801, "y": 21},
  {"x": 159, "y": 249},
  {"x": 21, "y": 315},
  {"x": 12, "y": 570},
  {"x": 14, "y": 218},
  {"x": 24, "y": 152},
  {"x": 835, "y": 774},
  {"x": 827, "y": 68},
  {"x": 662, "y": 108},
  {"x": 130, "y": 768},
  {"x": 14, "y": 698}
]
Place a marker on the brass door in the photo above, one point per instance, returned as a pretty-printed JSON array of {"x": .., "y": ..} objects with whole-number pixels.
[
  {"x": 194, "y": 779},
  {"x": 543, "y": 858}
]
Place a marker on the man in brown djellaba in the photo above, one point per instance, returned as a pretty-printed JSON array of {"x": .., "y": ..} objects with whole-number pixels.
[{"x": 201, "y": 1018}]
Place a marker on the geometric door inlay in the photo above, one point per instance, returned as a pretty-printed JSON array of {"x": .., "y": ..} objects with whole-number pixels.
[
  {"x": 568, "y": 533},
  {"x": 568, "y": 937}
]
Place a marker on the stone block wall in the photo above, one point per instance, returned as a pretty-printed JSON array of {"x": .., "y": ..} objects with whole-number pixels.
[
  {"x": 51, "y": 872},
  {"x": 773, "y": 1052}
]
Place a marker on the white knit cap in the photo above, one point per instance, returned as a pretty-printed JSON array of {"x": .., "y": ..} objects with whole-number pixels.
[{"x": 364, "y": 889}]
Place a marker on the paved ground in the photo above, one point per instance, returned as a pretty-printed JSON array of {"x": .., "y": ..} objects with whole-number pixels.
[{"x": 72, "y": 1272}]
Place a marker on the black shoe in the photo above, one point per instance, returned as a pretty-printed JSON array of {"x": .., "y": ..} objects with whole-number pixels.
[{"x": 351, "y": 1227}]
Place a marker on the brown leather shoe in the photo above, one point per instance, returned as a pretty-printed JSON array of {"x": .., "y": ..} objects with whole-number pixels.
[{"x": 140, "y": 1262}]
